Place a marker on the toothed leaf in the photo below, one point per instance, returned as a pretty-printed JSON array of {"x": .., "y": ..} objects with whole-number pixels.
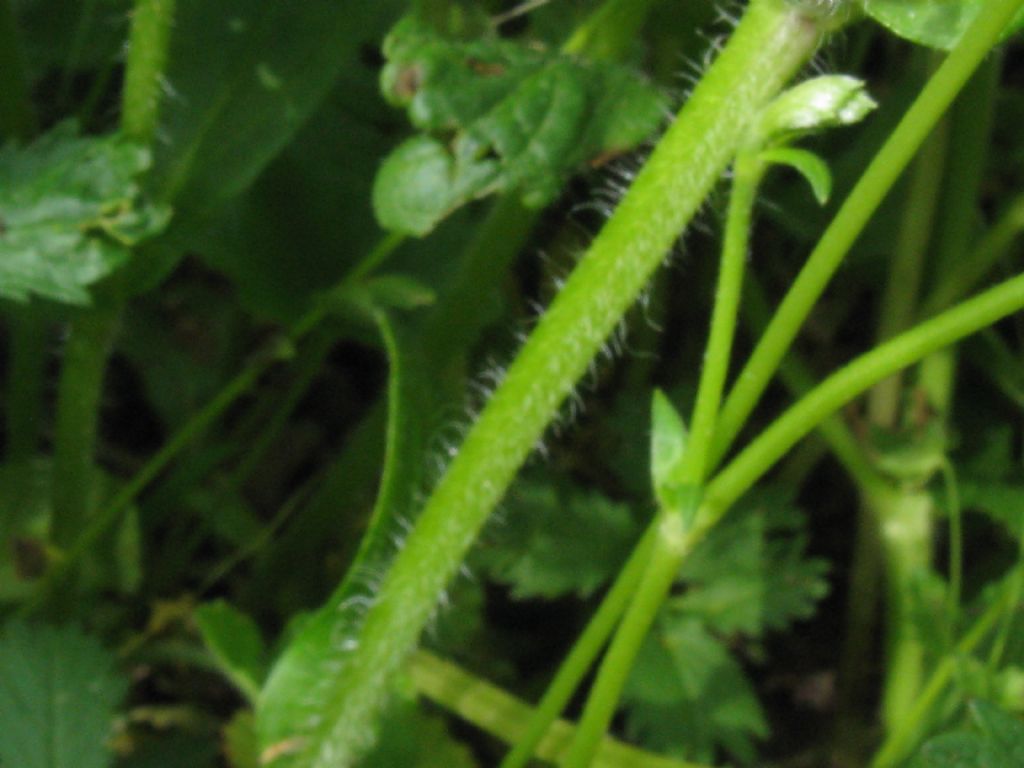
[{"x": 70, "y": 210}]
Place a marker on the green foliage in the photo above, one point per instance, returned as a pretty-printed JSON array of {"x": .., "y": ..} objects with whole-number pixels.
[
  {"x": 235, "y": 642},
  {"x": 996, "y": 740},
  {"x": 552, "y": 541},
  {"x": 936, "y": 23},
  {"x": 58, "y": 693},
  {"x": 70, "y": 212},
  {"x": 522, "y": 120}
]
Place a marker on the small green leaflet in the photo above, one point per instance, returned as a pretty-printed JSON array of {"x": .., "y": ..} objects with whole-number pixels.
[
  {"x": 235, "y": 642},
  {"x": 58, "y": 692},
  {"x": 497, "y": 116},
  {"x": 552, "y": 542},
  {"x": 935, "y": 23},
  {"x": 995, "y": 741},
  {"x": 70, "y": 211}
]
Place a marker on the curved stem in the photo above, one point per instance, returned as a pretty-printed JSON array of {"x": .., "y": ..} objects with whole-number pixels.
[
  {"x": 853, "y": 379},
  {"x": 865, "y": 198}
]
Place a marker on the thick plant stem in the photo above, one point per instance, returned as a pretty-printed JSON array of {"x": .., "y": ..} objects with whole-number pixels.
[
  {"x": 769, "y": 45},
  {"x": 865, "y": 198},
  {"x": 575, "y": 666},
  {"x": 78, "y": 398}
]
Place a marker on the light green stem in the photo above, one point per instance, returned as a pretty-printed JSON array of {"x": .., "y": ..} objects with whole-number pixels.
[
  {"x": 768, "y": 46},
  {"x": 586, "y": 648},
  {"x": 865, "y": 198},
  {"x": 493, "y": 710},
  {"x": 150, "y": 35},
  {"x": 852, "y": 380}
]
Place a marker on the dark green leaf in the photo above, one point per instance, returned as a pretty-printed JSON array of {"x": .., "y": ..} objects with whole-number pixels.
[
  {"x": 235, "y": 642},
  {"x": 58, "y": 693},
  {"x": 70, "y": 210},
  {"x": 751, "y": 574},
  {"x": 552, "y": 542},
  {"x": 996, "y": 741},
  {"x": 687, "y": 696},
  {"x": 523, "y": 119},
  {"x": 936, "y": 23},
  {"x": 412, "y": 739}
]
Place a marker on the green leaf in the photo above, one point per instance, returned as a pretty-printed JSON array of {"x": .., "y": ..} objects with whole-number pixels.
[
  {"x": 687, "y": 696},
  {"x": 295, "y": 703},
  {"x": 498, "y": 117},
  {"x": 935, "y": 23},
  {"x": 245, "y": 76},
  {"x": 668, "y": 445},
  {"x": 553, "y": 542},
  {"x": 413, "y": 739},
  {"x": 58, "y": 693},
  {"x": 235, "y": 642},
  {"x": 70, "y": 211},
  {"x": 807, "y": 164},
  {"x": 814, "y": 105},
  {"x": 997, "y": 741},
  {"x": 752, "y": 574}
]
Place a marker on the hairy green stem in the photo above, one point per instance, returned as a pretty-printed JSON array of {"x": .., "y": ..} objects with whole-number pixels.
[
  {"x": 769, "y": 45},
  {"x": 586, "y": 648},
  {"x": 144, "y": 69},
  {"x": 865, "y": 198}
]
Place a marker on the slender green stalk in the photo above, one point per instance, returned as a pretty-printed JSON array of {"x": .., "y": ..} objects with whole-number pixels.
[
  {"x": 965, "y": 273},
  {"x": 853, "y": 379},
  {"x": 148, "y": 41},
  {"x": 493, "y": 710},
  {"x": 17, "y": 115},
  {"x": 906, "y": 269},
  {"x": 674, "y": 539},
  {"x": 900, "y": 741},
  {"x": 92, "y": 332},
  {"x": 865, "y": 198},
  {"x": 768, "y": 46},
  {"x": 576, "y": 665},
  {"x": 747, "y": 173},
  {"x": 78, "y": 397},
  {"x": 671, "y": 545}
]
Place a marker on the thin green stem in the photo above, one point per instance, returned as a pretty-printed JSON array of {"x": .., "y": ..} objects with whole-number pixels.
[
  {"x": 17, "y": 115},
  {"x": 587, "y": 647},
  {"x": 769, "y": 45},
  {"x": 78, "y": 404},
  {"x": 906, "y": 269},
  {"x": 496, "y": 712},
  {"x": 900, "y": 741},
  {"x": 144, "y": 69},
  {"x": 865, "y": 198},
  {"x": 747, "y": 173},
  {"x": 672, "y": 543},
  {"x": 965, "y": 273},
  {"x": 852, "y": 380}
]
